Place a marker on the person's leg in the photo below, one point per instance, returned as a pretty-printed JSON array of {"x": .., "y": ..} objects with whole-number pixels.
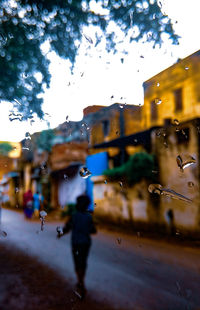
[{"x": 80, "y": 254}]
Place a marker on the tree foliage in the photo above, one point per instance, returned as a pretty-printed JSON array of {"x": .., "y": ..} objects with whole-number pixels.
[
  {"x": 45, "y": 140},
  {"x": 5, "y": 148},
  {"x": 139, "y": 166},
  {"x": 26, "y": 24}
]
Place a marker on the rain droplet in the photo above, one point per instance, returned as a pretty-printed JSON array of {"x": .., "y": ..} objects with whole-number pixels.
[
  {"x": 158, "y": 189},
  {"x": 3, "y": 233},
  {"x": 186, "y": 68},
  {"x": 190, "y": 184},
  {"x": 112, "y": 97},
  {"x": 121, "y": 106},
  {"x": 25, "y": 148},
  {"x": 65, "y": 177},
  {"x": 84, "y": 172},
  {"x": 185, "y": 161},
  {"x": 59, "y": 230},
  {"x": 158, "y": 84},
  {"x": 179, "y": 161},
  {"x": 16, "y": 190},
  {"x": 158, "y": 101},
  {"x": 165, "y": 144},
  {"x": 135, "y": 140},
  {"x": 67, "y": 118},
  {"x": 88, "y": 38},
  {"x": 120, "y": 184},
  {"x": 176, "y": 122},
  {"x": 43, "y": 213},
  {"x": 141, "y": 56},
  {"x": 105, "y": 181},
  {"x": 119, "y": 240},
  {"x": 27, "y": 135}
]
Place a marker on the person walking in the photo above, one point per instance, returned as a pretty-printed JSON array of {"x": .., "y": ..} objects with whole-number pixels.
[
  {"x": 82, "y": 226},
  {"x": 28, "y": 204},
  {"x": 38, "y": 200}
]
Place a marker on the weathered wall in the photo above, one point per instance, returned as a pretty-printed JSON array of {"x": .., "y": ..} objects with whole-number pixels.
[
  {"x": 186, "y": 215},
  {"x": 184, "y": 74}
]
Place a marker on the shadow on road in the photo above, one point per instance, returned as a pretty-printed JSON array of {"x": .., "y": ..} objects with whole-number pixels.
[{"x": 27, "y": 284}]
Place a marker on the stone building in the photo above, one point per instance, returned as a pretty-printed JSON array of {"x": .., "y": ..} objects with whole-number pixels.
[{"x": 169, "y": 127}]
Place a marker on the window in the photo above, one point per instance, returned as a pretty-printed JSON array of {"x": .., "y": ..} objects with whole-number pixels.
[
  {"x": 106, "y": 127},
  {"x": 154, "y": 111},
  {"x": 178, "y": 99}
]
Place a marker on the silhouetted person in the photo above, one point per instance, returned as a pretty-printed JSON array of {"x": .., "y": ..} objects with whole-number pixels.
[
  {"x": 28, "y": 204},
  {"x": 81, "y": 224}
]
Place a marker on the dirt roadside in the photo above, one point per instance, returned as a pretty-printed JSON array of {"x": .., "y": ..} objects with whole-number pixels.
[{"x": 27, "y": 284}]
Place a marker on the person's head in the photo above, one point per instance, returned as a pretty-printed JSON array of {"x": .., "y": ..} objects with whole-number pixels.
[{"x": 82, "y": 203}]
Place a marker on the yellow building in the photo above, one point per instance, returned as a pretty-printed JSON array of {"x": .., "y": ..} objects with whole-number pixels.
[
  {"x": 172, "y": 101},
  {"x": 173, "y": 93}
]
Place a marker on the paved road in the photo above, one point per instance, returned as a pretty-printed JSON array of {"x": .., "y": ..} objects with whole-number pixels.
[{"x": 128, "y": 273}]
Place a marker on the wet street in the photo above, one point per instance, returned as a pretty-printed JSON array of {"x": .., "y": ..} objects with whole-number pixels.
[{"x": 124, "y": 271}]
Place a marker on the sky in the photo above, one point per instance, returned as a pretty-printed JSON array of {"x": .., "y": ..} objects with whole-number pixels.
[{"x": 99, "y": 75}]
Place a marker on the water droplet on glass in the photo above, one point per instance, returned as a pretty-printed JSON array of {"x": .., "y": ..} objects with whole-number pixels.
[
  {"x": 120, "y": 184},
  {"x": 65, "y": 177},
  {"x": 59, "y": 230},
  {"x": 119, "y": 240},
  {"x": 158, "y": 189},
  {"x": 88, "y": 38},
  {"x": 186, "y": 68},
  {"x": 43, "y": 214},
  {"x": 190, "y": 184},
  {"x": 158, "y": 101},
  {"x": 25, "y": 148},
  {"x": 176, "y": 122},
  {"x": 135, "y": 140},
  {"x": 84, "y": 172},
  {"x": 112, "y": 97},
  {"x": 121, "y": 106},
  {"x": 16, "y": 189},
  {"x": 138, "y": 234},
  {"x": 67, "y": 118},
  {"x": 179, "y": 161},
  {"x": 27, "y": 135},
  {"x": 158, "y": 84},
  {"x": 185, "y": 161},
  {"x": 3, "y": 233},
  {"x": 165, "y": 144},
  {"x": 141, "y": 56},
  {"x": 105, "y": 181}
]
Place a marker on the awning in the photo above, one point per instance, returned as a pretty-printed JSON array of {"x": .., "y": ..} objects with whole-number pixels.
[{"x": 139, "y": 138}]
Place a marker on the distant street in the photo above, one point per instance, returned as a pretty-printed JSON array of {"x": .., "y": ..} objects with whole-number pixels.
[{"x": 127, "y": 272}]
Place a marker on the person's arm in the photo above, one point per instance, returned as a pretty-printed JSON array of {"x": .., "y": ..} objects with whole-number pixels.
[{"x": 66, "y": 228}]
